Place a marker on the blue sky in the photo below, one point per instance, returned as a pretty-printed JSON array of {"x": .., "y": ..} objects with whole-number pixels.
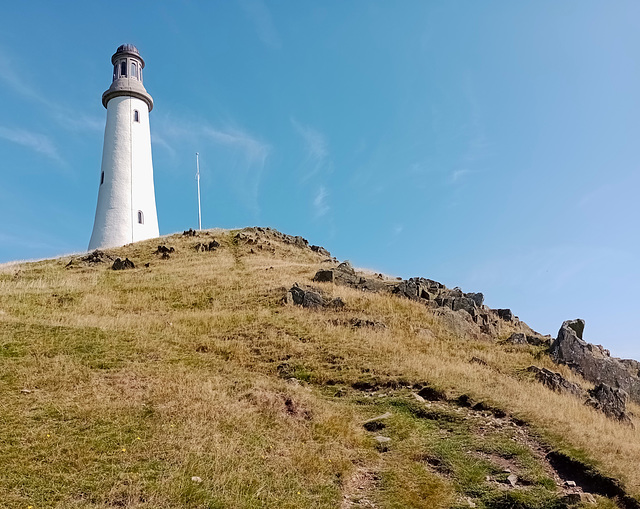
[{"x": 488, "y": 145}]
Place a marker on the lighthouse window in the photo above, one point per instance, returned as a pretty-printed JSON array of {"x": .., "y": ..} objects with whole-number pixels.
[
  {"x": 140, "y": 217},
  {"x": 136, "y": 116},
  {"x": 115, "y": 71},
  {"x": 134, "y": 70},
  {"x": 123, "y": 69},
  {"x": 102, "y": 178}
]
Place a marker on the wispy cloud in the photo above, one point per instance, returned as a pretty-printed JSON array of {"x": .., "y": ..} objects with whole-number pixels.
[
  {"x": 64, "y": 116},
  {"x": 258, "y": 13},
  {"x": 315, "y": 146},
  {"x": 459, "y": 175},
  {"x": 245, "y": 154},
  {"x": 316, "y": 164},
  {"x": 320, "y": 205},
  {"x": 35, "y": 141}
]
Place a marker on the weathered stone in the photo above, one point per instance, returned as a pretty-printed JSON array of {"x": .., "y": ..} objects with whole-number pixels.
[
  {"x": 324, "y": 276},
  {"x": 376, "y": 423},
  {"x": 612, "y": 401},
  {"x": 556, "y": 382},
  {"x": 312, "y": 300},
  {"x": 320, "y": 250},
  {"x": 518, "y": 338},
  {"x": 478, "y": 298},
  {"x": 96, "y": 257},
  {"x": 119, "y": 264},
  {"x": 591, "y": 361},
  {"x": 577, "y": 325},
  {"x": 505, "y": 314},
  {"x": 465, "y": 304},
  {"x": 164, "y": 249}
]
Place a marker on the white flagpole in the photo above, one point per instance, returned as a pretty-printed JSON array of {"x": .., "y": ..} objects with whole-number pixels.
[{"x": 198, "y": 179}]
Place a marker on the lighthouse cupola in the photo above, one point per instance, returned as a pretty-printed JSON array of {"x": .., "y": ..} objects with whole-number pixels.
[
  {"x": 127, "y": 76},
  {"x": 126, "y": 209}
]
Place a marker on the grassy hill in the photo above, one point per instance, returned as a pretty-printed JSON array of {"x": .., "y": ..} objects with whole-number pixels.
[{"x": 189, "y": 383}]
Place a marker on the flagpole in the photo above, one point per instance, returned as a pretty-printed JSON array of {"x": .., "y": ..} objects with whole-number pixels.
[{"x": 198, "y": 179}]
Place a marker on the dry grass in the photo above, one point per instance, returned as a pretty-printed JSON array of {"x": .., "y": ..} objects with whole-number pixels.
[{"x": 140, "y": 380}]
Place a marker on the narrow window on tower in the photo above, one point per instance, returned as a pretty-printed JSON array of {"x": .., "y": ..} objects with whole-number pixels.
[
  {"x": 136, "y": 116},
  {"x": 115, "y": 71},
  {"x": 102, "y": 178},
  {"x": 134, "y": 70},
  {"x": 123, "y": 69},
  {"x": 140, "y": 217}
]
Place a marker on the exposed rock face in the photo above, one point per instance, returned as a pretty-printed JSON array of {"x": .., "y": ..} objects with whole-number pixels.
[
  {"x": 320, "y": 250},
  {"x": 594, "y": 362},
  {"x": 96, "y": 257},
  {"x": 556, "y": 382},
  {"x": 344, "y": 274},
  {"x": 312, "y": 298},
  {"x": 120, "y": 264},
  {"x": 611, "y": 401},
  {"x": 520, "y": 338}
]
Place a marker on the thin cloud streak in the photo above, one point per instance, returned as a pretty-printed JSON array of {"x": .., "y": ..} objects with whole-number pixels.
[
  {"x": 248, "y": 154},
  {"x": 315, "y": 146},
  {"x": 320, "y": 203},
  {"x": 64, "y": 116},
  {"x": 258, "y": 12},
  {"x": 37, "y": 142}
]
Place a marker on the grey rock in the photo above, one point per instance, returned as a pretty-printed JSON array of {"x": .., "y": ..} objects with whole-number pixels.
[
  {"x": 312, "y": 300},
  {"x": 324, "y": 276},
  {"x": 592, "y": 361},
  {"x": 320, "y": 250},
  {"x": 518, "y": 338},
  {"x": 120, "y": 264},
  {"x": 612, "y": 401},
  {"x": 96, "y": 257},
  {"x": 556, "y": 382},
  {"x": 505, "y": 314}
]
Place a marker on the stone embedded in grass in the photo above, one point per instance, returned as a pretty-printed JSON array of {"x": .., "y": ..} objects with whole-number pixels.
[
  {"x": 195, "y": 478},
  {"x": 120, "y": 264},
  {"x": 375, "y": 423}
]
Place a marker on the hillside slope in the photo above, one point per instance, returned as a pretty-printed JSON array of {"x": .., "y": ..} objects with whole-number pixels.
[{"x": 190, "y": 382}]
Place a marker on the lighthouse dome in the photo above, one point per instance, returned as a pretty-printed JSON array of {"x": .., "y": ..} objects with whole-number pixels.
[{"x": 127, "y": 48}]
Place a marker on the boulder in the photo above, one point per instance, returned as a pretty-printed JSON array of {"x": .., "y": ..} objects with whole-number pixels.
[
  {"x": 592, "y": 361},
  {"x": 518, "y": 338},
  {"x": 612, "y": 401},
  {"x": 556, "y": 382},
  {"x": 120, "y": 264},
  {"x": 320, "y": 250},
  {"x": 311, "y": 298},
  {"x": 324, "y": 276}
]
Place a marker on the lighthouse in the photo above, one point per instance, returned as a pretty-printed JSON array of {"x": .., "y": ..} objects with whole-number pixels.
[{"x": 126, "y": 210}]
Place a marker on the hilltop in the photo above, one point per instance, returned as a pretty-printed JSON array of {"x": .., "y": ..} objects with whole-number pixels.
[{"x": 245, "y": 368}]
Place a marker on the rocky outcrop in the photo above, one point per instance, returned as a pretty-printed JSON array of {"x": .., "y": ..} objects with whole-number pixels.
[
  {"x": 120, "y": 264},
  {"x": 312, "y": 298},
  {"x": 521, "y": 338},
  {"x": 612, "y": 401},
  {"x": 96, "y": 257},
  {"x": 594, "y": 362},
  {"x": 556, "y": 382},
  {"x": 202, "y": 247},
  {"x": 345, "y": 275}
]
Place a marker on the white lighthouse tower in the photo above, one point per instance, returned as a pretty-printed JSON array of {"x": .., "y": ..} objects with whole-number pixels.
[{"x": 126, "y": 210}]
